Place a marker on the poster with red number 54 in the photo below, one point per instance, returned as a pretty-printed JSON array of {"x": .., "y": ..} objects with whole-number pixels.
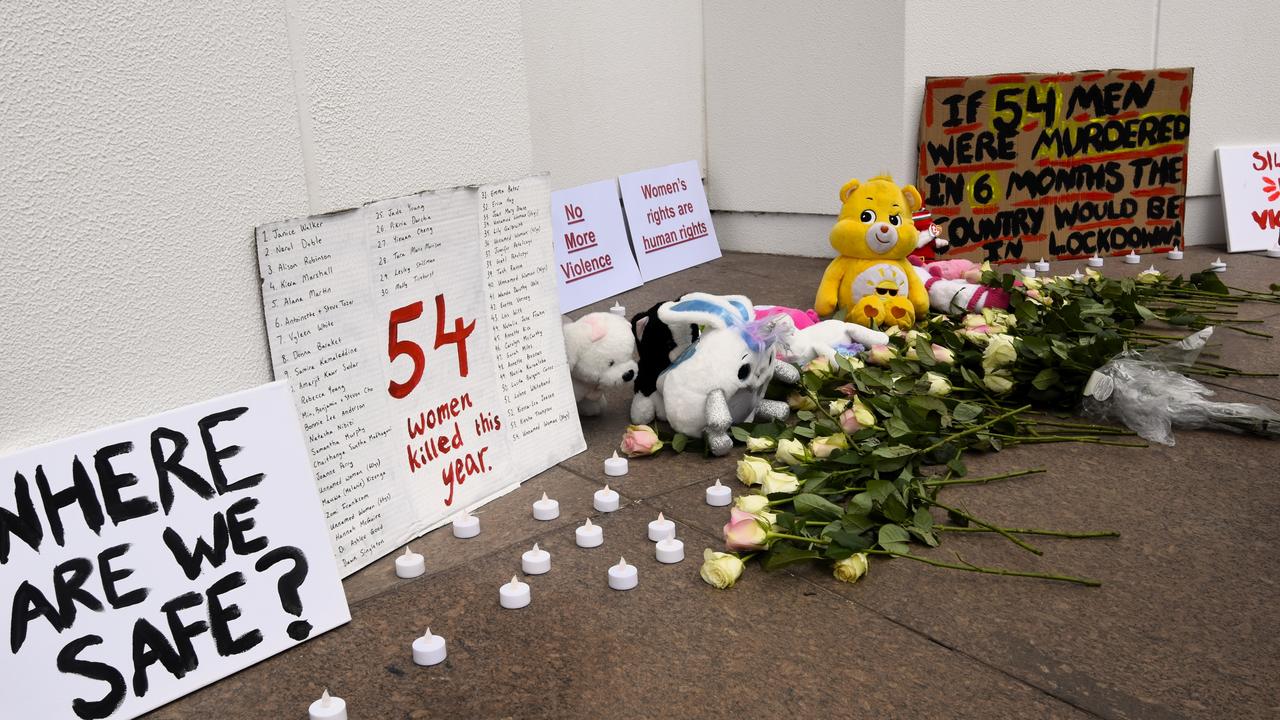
[{"x": 422, "y": 340}]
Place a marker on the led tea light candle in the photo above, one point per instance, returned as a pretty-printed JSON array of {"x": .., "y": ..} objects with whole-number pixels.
[
  {"x": 429, "y": 649},
  {"x": 605, "y": 500},
  {"x": 328, "y": 707},
  {"x": 618, "y": 310},
  {"x": 1042, "y": 266},
  {"x": 718, "y": 495},
  {"x": 1096, "y": 260},
  {"x": 514, "y": 595},
  {"x": 1175, "y": 254},
  {"x": 1028, "y": 272},
  {"x": 1077, "y": 276},
  {"x": 669, "y": 551},
  {"x": 589, "y": 535},
  {"x": 615, "y": 466},
  {"x": 623, "y": 576},
  {"x": 410, "y": 564},
  {"x": 466, "y": 525},
  {"x": 546, "y": 509},
  {"x": 1218, "y": 265},
  {"x": 1132, "y": 258},
  {"x": 536, "y": 561},
  {"x": 661, "y": 529}
]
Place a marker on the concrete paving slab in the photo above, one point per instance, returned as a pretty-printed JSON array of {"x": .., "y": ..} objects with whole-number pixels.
[{"x": 673, "y": 647}]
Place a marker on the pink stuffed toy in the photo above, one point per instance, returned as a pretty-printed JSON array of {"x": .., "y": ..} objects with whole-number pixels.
[
  {"x": 801, "y": 318},
  {"x": 953, "y": 287}
]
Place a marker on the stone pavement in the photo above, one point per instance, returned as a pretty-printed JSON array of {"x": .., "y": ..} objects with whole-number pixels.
[{"x": 1185, "y": 624}]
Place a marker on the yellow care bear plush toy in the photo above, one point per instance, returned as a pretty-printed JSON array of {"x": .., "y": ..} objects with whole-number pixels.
[{"x": 871, "y": 282}]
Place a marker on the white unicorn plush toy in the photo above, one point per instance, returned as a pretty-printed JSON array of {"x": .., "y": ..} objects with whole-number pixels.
[{"x": 721, "y": 379}]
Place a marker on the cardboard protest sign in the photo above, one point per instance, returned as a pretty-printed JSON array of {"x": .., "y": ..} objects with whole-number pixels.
[
  {"x": 422, "y": 338},
  {"x": 1250, "y": 176},
  {"x": 669, "y": 218},
  {"x": 1023, "y": 166},
  {"x": 593, "y": 256},
  {"x": 145, "y": 560}
]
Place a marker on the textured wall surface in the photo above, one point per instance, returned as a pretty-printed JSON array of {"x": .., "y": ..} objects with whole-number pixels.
[
  {"x": 613, "y": 87},
  {"x": 142, "y": 147},
  {"x": 139, "y": 149},
  {"x": 799, "y": 96},
  {"x": 402, "y": 96}
]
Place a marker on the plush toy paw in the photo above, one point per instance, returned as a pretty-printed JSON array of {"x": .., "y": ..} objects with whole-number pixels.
[
  {"x": 899, "y": 311},
  {"x": 591, "y": 405},
  {"x": 772, "y": 410},
  {"x": 787, "y": 373},
  {"x": 719, "y": 443},
  {"x": 643, "y": 409},
  {"x": 869, "y": 311}
]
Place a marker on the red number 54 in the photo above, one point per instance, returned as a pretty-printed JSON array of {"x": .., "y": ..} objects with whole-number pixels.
[{"x": 397, "y": 347}]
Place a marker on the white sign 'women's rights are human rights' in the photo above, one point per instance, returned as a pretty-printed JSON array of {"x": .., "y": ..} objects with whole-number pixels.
[
  {"x": 145, "y": 560},
  {"x": 669, "y": 218}
]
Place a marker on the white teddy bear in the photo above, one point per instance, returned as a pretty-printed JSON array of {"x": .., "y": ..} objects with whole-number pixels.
[{"x": 601, "y": 352}]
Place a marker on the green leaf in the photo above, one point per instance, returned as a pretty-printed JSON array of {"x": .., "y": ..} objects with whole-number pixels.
[
  {"x": 861, "y": 503},
  {"x": 782, "y": 555},
  {"x": 893, "y": 451},
  {"x": 893, "y": 538},
  {"x": 923, "y": 519},
  {"x": 879, "y": 490},
  {"x": 818, "y": 507},
  {"x": 965, "y": 412},
  {"x": 1045, "y": 379},
  {"x": 739, "y": 434},
  {"x": 858, "y": 522},
  {"x": 897, "y": 427},
  {"x": 850, "y": 540},
  {"x": 804, "y": 415},
  {"x": 679, "y": 442},
  {"x": 803, "y": 431},
  {"x": 924, "y": 353}
]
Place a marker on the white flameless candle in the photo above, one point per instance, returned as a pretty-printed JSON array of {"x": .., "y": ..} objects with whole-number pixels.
[
  {"x": 618, "y": 310},
  {"x": 1218, "y": 265},
  {"x": 1077, "y": 276},
  {"x": 536, "y": 561},
  {"x": 514, "y": 595},
  {"x": 410, "y": 564},
  {"x": 546, "y": 509},
  {"x": 605, "y": 500},
  {"x": 429, "y": 649},
  {"x": 1175, "y": 254},
  {"x": 1096, "y": 260},
  {"x": 1132, "y": 258},
  {"x": 661, "y": 529},
  {"x": 328, "y": 707},
  {"x": 1042, "y": 266},
  {"x": 615, "y": 466},
  {"x": 623, "y": 576},
  {"x": 1028, "y": 272},
  {"x": 589, "y": 535},
  {"x": 466, "y": 525},
  {"x": 718, "y": 495},
  {"x": 669, "y": 551}
]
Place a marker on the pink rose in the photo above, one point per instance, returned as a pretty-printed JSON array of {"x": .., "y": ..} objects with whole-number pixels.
[
  {"x": 743, "y": 531},
  {"x": 640, "y": 440},
  {"x": 879, "y": 355},
  {"x": 847, "y": 390},
  {"x": 943, "y": 355},
  {"x": 849, "y": 421}
]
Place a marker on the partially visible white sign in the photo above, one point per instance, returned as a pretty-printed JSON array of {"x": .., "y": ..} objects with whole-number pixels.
[
  {"x": 143, "y": 561},
  {"x": 1250, "y": 176},
  {"x": 669, "y": 218},
  {"x": 593, "y": 257}
]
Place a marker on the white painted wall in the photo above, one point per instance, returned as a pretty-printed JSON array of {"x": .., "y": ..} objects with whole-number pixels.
[
  {"x": 141, "y": 146},
  {"x": 785, "y": 134},
  {"x": 614, "y": 87}
]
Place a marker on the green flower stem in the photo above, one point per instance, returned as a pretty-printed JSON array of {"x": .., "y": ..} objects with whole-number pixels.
[
  {"x": 982, "y": 480},
  {"x": 969, "y": 567},
  {"x": 1246, "y": 331},
  {"x": 1032, "y": 531},
  {"x": 972, "y": 430},
  {"x": 797, "y": 538},
  {"x": 994, "y": 528}
]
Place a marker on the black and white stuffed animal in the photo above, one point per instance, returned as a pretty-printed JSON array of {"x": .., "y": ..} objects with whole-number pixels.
[{"x": 658, "y": 346}]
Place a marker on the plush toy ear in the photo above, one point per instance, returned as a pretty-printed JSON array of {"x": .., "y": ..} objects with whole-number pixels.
[
  {"x": 596, "y": 326},
  {"x": 707, "y": 309},
  {"x": 914, "y": 201},
  {"x": 848, "y": 189},
  {"x": 638, "y": 325}
]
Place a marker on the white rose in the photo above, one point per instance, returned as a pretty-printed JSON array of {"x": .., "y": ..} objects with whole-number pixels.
[
  {"x": 851, "y": 568},
  {"x": 719, "y": 569},
  {"x": 753, "y": 470},
  {"x": 791, "y": 452},
  {"x": 777, "y": 482}
]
